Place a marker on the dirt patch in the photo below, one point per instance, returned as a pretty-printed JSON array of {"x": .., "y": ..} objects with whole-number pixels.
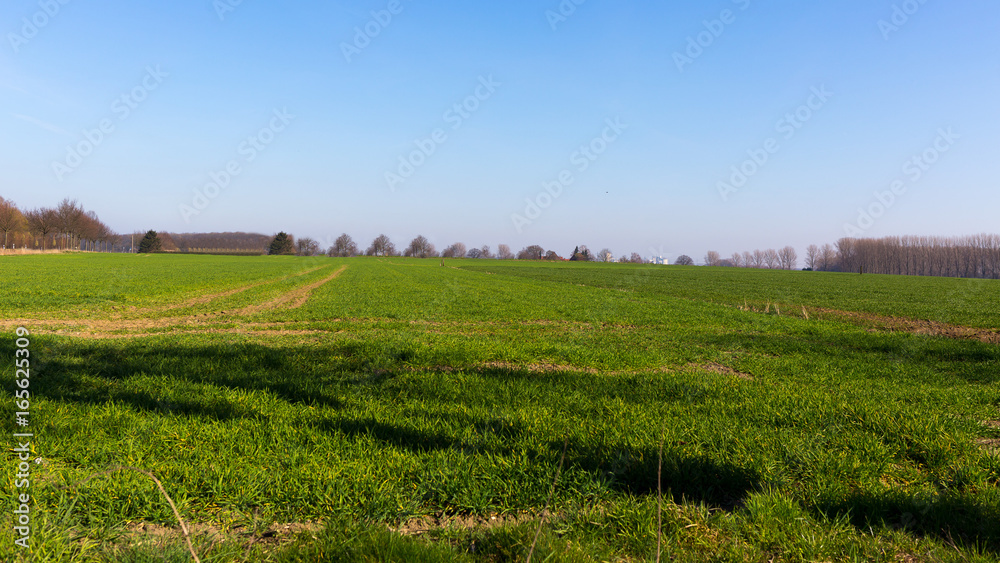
[
  {"x": 280, "y": 533},
  {"x": 96, "y": 335},
  {"x": 536, "y": 368},
  {"x": 203, "y": 299},
  {"x": 722, "y": 370},
  {"x": 295, "y": 298},
  {"x": 144, "y": 533},
  {"x": 118, "y": 327},
  {"x": 419, "y": 526},
  {"x": 140, "y": 533},
  {"x": 989, "y": 443},
  {"x": 992, "y": 424},
  {"x": 914, "y": 326}
]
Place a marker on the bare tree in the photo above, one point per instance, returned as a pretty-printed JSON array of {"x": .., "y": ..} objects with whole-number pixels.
[
  {"x": 343, "y": 247},
  {"x": 812, "y": 256},
  {"x": 712, "y": 258},
  {"x": 306, "y": 246},
  {"x": 737, "y": 259},
  {"x": 827, "y": 258},
  {"x": 846, "y": 258},
  {"x": 456, "y": 250},
  {"x": 504, "y": 253},
  {"x": 381, "y": 246},
  {"x": 758, "y": 258},
  {"x": 684, "y": 260},
  {"x": 749, "y": 259},
  {"x": 420, "y": 247},
  {"x": 771, "y": 258},
  {"x": 485, "y": 252},
  {"x": 105, "y": 236},
  {"x": 11, "y": 219},
  {"x": 636, "y": 258},
  {"x": 68, "y": 219},
  {"x": 90, "y": 230},
  {"x": 788, "y": 258},
  {"x": 42, "y": 222},
  {"x": 533, "y": 252},
  {"x": 976, "y": 256},
  {"x": 474, "y": 253},
  {"x": 605, "y": 255}
]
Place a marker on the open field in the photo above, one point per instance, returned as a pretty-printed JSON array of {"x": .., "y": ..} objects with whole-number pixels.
[{"x": 367, "y": 409}]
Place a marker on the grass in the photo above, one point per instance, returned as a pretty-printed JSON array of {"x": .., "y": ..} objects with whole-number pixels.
[{"x": 402, "y": 392}]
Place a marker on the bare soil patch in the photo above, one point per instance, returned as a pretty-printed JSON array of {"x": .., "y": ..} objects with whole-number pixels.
[
  {"x": 915, "y": 326},
  {"x": 122, "y": 328},
  {"x": 143, "y": 533},
  {"x": 536, "y": 368},
  {"x": 722, "y": 370},
  {"x": 207, "y": 298},
  {"x": 989, "y": 443},
  {"x": 419, "y": 526},
  {"x": 295, "y": 298}
]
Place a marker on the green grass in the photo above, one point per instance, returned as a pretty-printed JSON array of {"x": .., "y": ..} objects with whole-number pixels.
[
  {"x": 968, "y": 302},
  {"x": 404, "y": 390}
]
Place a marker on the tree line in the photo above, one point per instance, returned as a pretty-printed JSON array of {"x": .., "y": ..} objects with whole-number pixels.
[
  {"x": 420, "y": 247},
  {"x": 976, "y": 256},
  {"x": 69, "y": 226},
  {"x": 784, "y": 259}
]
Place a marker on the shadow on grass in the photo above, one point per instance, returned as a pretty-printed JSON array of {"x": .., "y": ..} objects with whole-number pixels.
[
  {"x": 954, "y": 518},
  {"x": 97, "y": 373},
  {"x": 392, "y": 434},
  {"x": 684, "y": 477},
  {"x": 972, "y": 361}
]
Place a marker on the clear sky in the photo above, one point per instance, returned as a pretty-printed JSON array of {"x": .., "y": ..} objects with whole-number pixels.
[{"x": 316, "y": 106}]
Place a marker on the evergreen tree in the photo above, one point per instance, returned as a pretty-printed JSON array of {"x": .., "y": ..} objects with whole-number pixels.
[
  {"x": 282, "y": 244},
  {"x": 150, "y": 243}
]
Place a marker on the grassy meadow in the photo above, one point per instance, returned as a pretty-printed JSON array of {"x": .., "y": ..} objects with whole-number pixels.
[{"x": 364, "y": 409}]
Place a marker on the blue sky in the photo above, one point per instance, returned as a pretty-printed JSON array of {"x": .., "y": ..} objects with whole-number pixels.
[{"x": 200, "y": 78}]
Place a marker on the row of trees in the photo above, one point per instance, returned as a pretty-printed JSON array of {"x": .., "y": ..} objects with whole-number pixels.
[
  {"x": 232, "y": 242},
  {"x": 783, "y": 259},
  {"x": 345, "y": 246},
  {"x": 976, "y": 256},
  {"x": 67, "y": 226}
]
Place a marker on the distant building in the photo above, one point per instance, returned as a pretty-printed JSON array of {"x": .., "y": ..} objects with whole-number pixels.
[{"x": 660, "y": 260}]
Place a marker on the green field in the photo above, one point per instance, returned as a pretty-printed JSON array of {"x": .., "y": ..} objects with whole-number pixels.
[{"x": 318, "y": 409}]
